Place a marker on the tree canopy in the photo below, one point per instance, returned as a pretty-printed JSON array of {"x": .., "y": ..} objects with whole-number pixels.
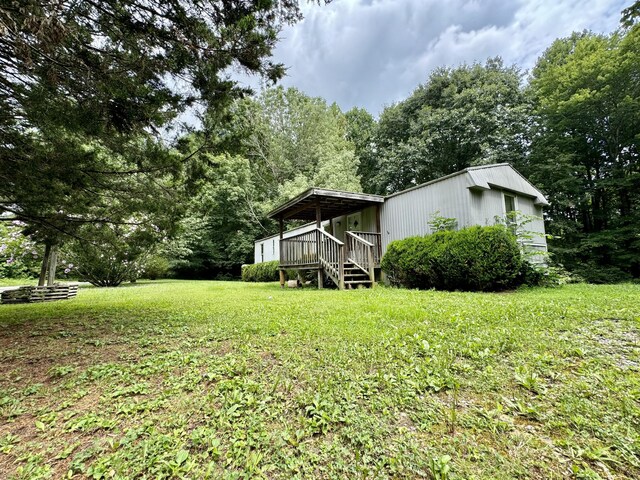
[
  {"x": 469, "y": 115},
  {"x": 585, "y": 149},
  {"x": 88, "y": 87}
]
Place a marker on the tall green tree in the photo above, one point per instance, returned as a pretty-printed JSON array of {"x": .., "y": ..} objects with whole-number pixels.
[
  {"x": 464, "y": 116},
  {"x": 361, "y": 130},
  {"x": 293, "y": 142},
  {"x": 222, "y": 223},
  {"x": 585, "y": 152},
  {"x": 630, "y": 14},
  {"x": 83, "y": 78},
  {"x": 276, "y": 145}
]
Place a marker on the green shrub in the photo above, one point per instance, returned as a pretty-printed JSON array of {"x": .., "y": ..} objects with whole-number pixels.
[
  {"x": 474, "y": 258},
  {"x": 107, "y": 255},
  {"x": 261, "y": 272},
  {"x": 155, "y": 267},
  {"x": 265, "y": 272},
  {"x": 20, "y": 256}
]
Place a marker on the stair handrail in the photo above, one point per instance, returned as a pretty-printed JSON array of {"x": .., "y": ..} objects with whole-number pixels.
[
  {"x": 361, "y": 254},
  {"x": 360, "y": 239},
  {"x": 375, "y": 238},
  {"x": 331, "y": 256},
  {"x": 331, "y": 237}
]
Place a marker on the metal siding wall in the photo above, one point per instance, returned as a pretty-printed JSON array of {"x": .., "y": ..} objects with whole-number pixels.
[
  {"x": 369, "y": 219},
  {"x": 338, "y": 230},
  {"x": 526, "y": 206},
  {"x": 269, "y": 255},
  {"x": 491, "y": 203},
  {"x": 408, "y": 214}
]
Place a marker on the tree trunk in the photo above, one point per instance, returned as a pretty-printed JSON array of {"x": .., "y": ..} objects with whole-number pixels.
[
  {"x": 45, "y": 264},
  {"x": 53, "y": 263}
]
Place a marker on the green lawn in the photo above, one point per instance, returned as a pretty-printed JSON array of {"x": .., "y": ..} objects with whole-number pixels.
[
  {"x": 12, "y": 282},
  {"x": 231, "y": 380}
]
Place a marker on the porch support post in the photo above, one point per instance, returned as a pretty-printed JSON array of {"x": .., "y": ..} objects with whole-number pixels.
[
  {"x": 341, "y": 268},
  {"x": 372, "y": 274},
  {"x": 379, "y": 229},
  {"x": 319, "y": 226},
  {"x": 318, "y": 214},
  {"x": 281, "y": 224}
]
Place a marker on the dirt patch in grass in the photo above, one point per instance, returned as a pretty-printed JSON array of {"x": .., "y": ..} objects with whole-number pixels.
[{"x": 621, "y": 343}]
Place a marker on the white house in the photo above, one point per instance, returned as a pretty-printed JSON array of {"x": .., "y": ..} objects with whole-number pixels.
[{"x": 350, "y": 232}]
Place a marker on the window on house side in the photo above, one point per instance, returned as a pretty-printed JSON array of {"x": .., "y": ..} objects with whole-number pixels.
[
  {"x": 509, "y": 203},
  {"x": 509, "y": 209}
]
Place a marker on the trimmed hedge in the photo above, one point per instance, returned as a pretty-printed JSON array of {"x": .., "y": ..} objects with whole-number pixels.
[
  {"x": 474, "y": 258},
  {"x": 261, "y": 272},
  {"x": 265, "y": 272}
]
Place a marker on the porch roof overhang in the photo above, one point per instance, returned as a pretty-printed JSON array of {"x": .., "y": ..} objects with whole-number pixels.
[{"x": 332, "y": 203}]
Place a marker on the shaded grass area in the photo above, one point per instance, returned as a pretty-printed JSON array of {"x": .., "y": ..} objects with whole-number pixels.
[
  {"x": 182, "y": 379},
  {"x": 26, "y": 281},
  {"x": 15, "y": 282}
]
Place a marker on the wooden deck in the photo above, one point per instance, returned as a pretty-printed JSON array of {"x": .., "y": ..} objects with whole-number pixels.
[{"x": 348, "y": 264}]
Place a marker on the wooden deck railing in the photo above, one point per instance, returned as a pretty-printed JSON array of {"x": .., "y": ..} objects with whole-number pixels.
[
  {"x": 374, "y": 238},
  {"x": 299, "y": 250},
  {"x": 319, "y": 249}
]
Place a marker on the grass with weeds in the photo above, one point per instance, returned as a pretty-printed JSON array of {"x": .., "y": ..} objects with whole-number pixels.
[
  {"x": 15, "y": 282},
  {"x": 179, "y": 379}
]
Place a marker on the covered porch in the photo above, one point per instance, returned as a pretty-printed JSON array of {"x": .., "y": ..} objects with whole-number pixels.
[{"x": 349, "y": 252}]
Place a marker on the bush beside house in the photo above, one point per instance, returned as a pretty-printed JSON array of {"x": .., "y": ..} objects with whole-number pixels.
[
  {"x": 261, "y": 272},
  {"x": 265, "y": 272},
  {"x": 475, "y": 258}
]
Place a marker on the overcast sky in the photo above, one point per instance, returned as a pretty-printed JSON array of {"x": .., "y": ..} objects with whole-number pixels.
[{"x": 371, "y": 53}]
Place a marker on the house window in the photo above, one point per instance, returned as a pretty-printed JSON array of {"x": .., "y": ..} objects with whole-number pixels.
[
  {"x": 509, "y": 204},
  {"x": 262, "y": 252},
  {"x": 273, "y": 247},
  {"x": 510, "y": 208}
]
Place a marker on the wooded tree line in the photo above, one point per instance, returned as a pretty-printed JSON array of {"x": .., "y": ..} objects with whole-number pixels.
[
  {"x": 88, "y": 165},
  {"x": 572, "y": 126},
  {"x": 88, "y": 93},
  {"x": 573, "y": 129}
]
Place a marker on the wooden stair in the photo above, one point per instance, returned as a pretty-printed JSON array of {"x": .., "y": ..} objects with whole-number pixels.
[
  {"x": 355, "y": 277},
  {"x": 350, "y": 264}
]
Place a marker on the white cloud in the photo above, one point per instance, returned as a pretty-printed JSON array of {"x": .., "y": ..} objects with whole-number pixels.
[{"x": 369, "y": 53}]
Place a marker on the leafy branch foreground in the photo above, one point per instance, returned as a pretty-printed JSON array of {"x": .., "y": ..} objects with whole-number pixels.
[{"x": 229, "y": 380}]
